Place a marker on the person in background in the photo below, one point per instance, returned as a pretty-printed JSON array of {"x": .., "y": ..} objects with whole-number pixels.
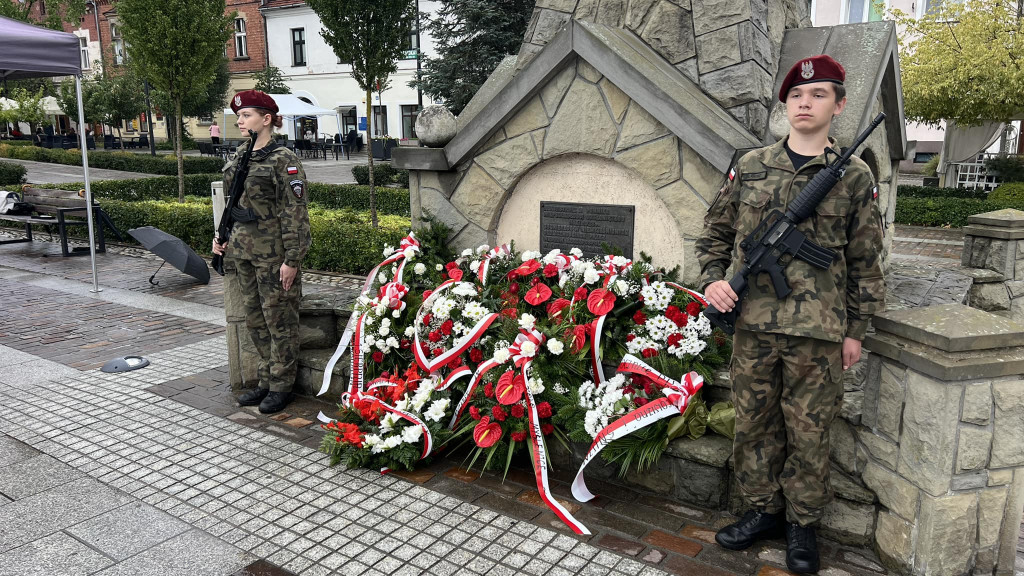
[{"x": 215, "y": 133}]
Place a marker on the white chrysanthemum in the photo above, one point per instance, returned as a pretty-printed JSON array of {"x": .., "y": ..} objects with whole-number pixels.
[
  {"x": 576, "y": 252},
  {"x": 380, "y": 310},
  {"x": 388, "y": 251},
  {"x": 438, "y": 267},
  {"x": 501, "y": 355},
  {"x": 410, "y": 332},
  {"x": 384, "y": 330},
  {"x": 392, "y": 342},
  {"x": 382, "y": 345},
  {"x": 482, "y": 248},
  {"x": 556, "y": 347},
  {"x": 409, "y": 253},
  {"x": 620, "y": 260},
  {"x": 535, "y": 385},
  {"x": 528, "y": 349},
  {"x": 419, "y": 268},
  {"x": 436, "y": 410},
  {"x": 591, "y": 276},
  {"x": 527, "y": 321},
  {"x": 474, "y": 311},
  {"x": 474, "y": 266},
  {"x": 464, "y": 289},
  {"x": 385, "y": 322},
  {"x": 382, "y": 278}
]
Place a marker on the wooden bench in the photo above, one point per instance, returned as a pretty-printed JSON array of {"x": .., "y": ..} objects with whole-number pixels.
[{"x": 52, "y": 207}]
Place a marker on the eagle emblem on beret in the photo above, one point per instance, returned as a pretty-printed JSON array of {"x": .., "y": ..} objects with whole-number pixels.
[
  {"x": 238, "y": 100},
  {"x": 807, "y": 70}
]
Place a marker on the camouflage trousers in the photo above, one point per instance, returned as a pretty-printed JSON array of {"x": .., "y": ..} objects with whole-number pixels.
[
  {"x": 786, "y": 390},
  {"x": 272, "y": 317}
]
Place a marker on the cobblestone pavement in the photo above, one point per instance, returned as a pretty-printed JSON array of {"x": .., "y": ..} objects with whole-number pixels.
[{"x": 158, "y": 471}]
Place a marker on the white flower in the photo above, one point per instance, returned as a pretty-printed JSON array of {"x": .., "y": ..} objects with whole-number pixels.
[
  {"x": 467, "y": 252},
  {"x": 412, "y": 434},
  {"x": 438, "y": 267},
  {"x": 620, "y": 260},
  {"x": 527, "y": 321},
  {"x": 576, "y": 252},
  {"x": 374, "y": 443},
  {"x": 419, "y": 268},
  {"x": 388, "y": 251},
  {"x": 393, "y": 441},
  {"x": 396, "y": 313},
  {"x": 464, "y": 289},
  {"x": 474, "y": 311},
  {"x": 501, "y": 355},
  {"x": 590, "y": 276},
  {"x": 555, "y": 346},
  {"x": 437, "y": 410},
  {"x": 410, "y": 332},
  {"x": 482, "y": 248},
  {"x": 385, "y": 322},
  {"x": 550, "y": 257},
  {"x": 382, "y": 278},
  {"x": 474, "y": 266},
  {"x": 621, "y": 287},
  {"x": 527, "y": 256},
  {"x": 528, "y": 349},
  {"x": 392, "y": 342},
  {"x": 384, "y": 329},
  {"x": 535, "y": 385},
  {"x": 388, "y": 422},
  {"x": 382, "y": 345},
  {"x": 560, "y": 389}
]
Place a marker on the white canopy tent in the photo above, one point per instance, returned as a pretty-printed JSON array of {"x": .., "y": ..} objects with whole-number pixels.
[
  {"x": 28, "y": 51},
  {"x": 291, "y": 106}
]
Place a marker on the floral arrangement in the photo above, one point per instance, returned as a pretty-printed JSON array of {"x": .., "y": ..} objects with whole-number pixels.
[{"x": 503, "y": 352}]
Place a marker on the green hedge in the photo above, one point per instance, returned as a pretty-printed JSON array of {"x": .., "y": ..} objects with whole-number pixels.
[
  {"x": 945, "y": 211},
  {"x": 18, "y": 142},
  {"x": 905, "y": 191},
  {"x": 337, "y": 196},
  {"x": 128, "y": 161},
  {"x": 383, "y": 173},
  {"x": 1011, "y": 192},
  {"x": 343, "y": 240},
  {"x": 11, "y": 173}
]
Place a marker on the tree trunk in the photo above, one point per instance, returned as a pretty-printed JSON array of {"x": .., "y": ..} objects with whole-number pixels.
[
  {"x": 369, "y": 157},
  {"x": 177, "y": 152},
  {"x": 119, "y": 139}
]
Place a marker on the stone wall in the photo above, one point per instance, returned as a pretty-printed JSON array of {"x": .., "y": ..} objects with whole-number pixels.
[
  {"x": 577, "y": 112},
  {"x": 728, "y": 47},
  {"x": 994, "y": 253}
]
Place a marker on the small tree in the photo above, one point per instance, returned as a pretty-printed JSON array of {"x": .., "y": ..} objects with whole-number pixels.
[
  {"x": 92, "y": 100},
  {"x": 28, "y": 107},
  {"x": 177, "y": 45},
  {"x": 207, "y": 102},
  {"x": 962, "y": 62},
  {"x": 471, "y": 38},
  {"x": 372, "y": 36},
  {"x": 271, "y": 81},
  {"x": 121, "y": 99}
]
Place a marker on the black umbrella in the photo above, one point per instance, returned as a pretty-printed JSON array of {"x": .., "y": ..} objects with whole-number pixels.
[{"x": 174, "y": 251}]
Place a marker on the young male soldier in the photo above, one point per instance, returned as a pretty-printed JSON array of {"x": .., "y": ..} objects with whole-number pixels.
[{"x": 789, "y": 354}]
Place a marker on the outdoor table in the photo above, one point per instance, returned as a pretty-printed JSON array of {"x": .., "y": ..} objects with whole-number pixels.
[{"x": 336, "y": 147}]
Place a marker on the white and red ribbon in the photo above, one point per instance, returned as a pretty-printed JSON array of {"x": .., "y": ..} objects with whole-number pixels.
[
  {"x": 677, "y": 398},
  {"x": 481, "y": 272},
  {"x": 431, "y": 365},
  {"x": 456, "y": 374},
  {"x": 473, "y": 382},
  {"x": 516, "y": 349}
]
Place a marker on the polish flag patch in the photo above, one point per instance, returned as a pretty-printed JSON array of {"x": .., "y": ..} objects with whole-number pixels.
[
  {"x": 732, "y": 175},
  {"x": 292, "y": 170},
  {"x": 874, "y": 193}
]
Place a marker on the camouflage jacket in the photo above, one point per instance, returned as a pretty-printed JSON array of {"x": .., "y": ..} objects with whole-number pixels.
[
  {"x": 276, "y": 192},
  {"x": 825, "y": 304}
]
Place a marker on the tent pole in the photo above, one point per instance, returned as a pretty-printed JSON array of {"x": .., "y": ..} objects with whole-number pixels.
[{"x": 88, "y": 186}]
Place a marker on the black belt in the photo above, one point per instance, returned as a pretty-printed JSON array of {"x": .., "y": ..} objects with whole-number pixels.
[{"x": 243, "y": 215}]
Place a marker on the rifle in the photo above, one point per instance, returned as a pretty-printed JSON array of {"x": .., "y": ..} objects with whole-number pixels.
[
  {"x": 777, "y": 235},
  {"x": 227, "y": 218}
]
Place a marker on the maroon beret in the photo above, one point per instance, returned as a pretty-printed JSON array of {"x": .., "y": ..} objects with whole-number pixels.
[
  {"x": 821, "y": 68},
  {"x": 253, "y": 99}
]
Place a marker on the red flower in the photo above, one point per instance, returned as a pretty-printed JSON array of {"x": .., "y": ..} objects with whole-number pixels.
[
  {"x": 489, "y": 389},
  {"x": 640, "y": 400},
  {"x": 600, "y": 302},
  {"x": 451, "y": 265},
  {"x": 534, "y": 280},
  {"x": 519, "y": 436},
  {"x": 427, "y": 318},
  {"x": 435, "y": 336},
  {"x": 538, "y": 295},
  {"x": 555, "y": 308},
  {"x": 476, "y": 355},
  {"x": 455, "y": 363},
  {"x": 510, "y": 313},
  {"x": 511, "y": 300},
  {"x": 580, "y": 293},
  {"x": 648, "y": 389},
  {"x": 405, "y": 344},
  {"x": 544, "y": 410},
  {"x": 693, "y": 309},
  {"x": 672, "y": 311},
  {"x": 455, "y": 274},
  {"x": 499, "y": 413},
  {"x": 681, "y": 320},
  {"x": 674, "y": 339},
  {"x": 378, "y": 356},
  {"x": 426, "y": 294},
  {"x": 527, "y": 268},
  {"x": 579, "y": 337},
  {"x": 446, "y": 328},
  {"x": 639, "y": 317},
  {"x": 510, "y": 388},
  {"x": 630, "y": 337},
  {"x": 513, "y": 287},
  {"x": 517, "y": 411},
  {"x": 512, "y": 275},
  {"x": 649, "y": 352},
  {"x": 474, "y": 412},
  {"x": 546, "y": 429},
  {"x": 437, "y": 352},
  {"x": 486, "y": 433},
  {"x": 550, "y": 271}
]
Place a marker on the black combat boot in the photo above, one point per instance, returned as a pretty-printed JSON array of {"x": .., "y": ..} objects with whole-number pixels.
[
  {"x": 754, "y": 526},
  {"x": 252, "y": 397},
  {"x": 801, "y": 549},
  {"x": 275, "y": 402}
]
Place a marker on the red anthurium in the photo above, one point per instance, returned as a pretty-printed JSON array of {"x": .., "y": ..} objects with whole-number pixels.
[
  {"x": 486, "y": 433},
  {"x": 579, "y": 337},
  {"x": 538, "y": 295},
  {"x": 510, "y": 388},
  {"x": 527, "y": 268},
  {"x": 556, "y": 307},
  {"x": 600, "y": 302}
]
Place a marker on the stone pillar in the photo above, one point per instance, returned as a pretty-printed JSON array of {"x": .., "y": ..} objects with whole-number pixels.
[
  {"x": 940, "y": 441},
  {"x": 995, "y": 241},
  {"x": 242, "y": 356}
]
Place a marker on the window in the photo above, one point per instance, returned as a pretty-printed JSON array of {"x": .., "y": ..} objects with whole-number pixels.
[
  {"x": 241, "y": 49},
  {"x": 863, "y": 11},
  {"x": 83, "y": 43},
  {"x": 348, "y": 121},
  {"x": 380, "y": 121},
  {"x": 409, "y": 114},
  {"x": 923, "y": 157},
  {"x": 298, "y": 46},
  {"x": 117, "y": 45},
  {"x": 412, "y": 44}
]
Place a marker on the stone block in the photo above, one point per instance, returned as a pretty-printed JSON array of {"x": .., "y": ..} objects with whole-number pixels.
[
  {"x": 894, "y": 492},
  {"x": 977, "y": 403},
  {"x": 739, "y": 84},
  {"x": 471, "y": 237},
  {"x": 639, "y": 127},
  {"x": 437, "y": 205},
  {"x": 34, "y": 475},
  {"x": 689, "y": 69},
  {"x": 636, "y": 17},
  {"x": 12, "y": 451},
  {"x": 847, "y": 488},
  {"x": 549, "y": 22},
  {"x": 714, "y": 14},
  {"x": 894, "y": 541},
  {"x": 560, "y": 5},
  {"x": 890, "y": 404},
  {"x": 984, "y": 562},
  {"x": 853, "y": 406},
  {"x": 718, "y": 49},
  {"x": 946, "y": 532},
  {"x": 842, "y": 446},
  {"x": 617, "y": 99},
  {"x": 883, "y": 450},
  {"x": 1010, "y": 530},
  {"x": 611, "y": 13},
  {"x": 700, "y": 175},
  {"x": 53, "y": 555},
  {"x": 478, "y": 197},
  {"x": 318, "y": 331},
  {"x": 1016, "y": 287},
  {"x": 951, "y": 327},
  {"x": 1000, "y": 477},
  {"x": 848, "y": 522},
  {"x": 528, "y": 118},
  {"x": 871, "y": 384},
  {"x": 700, "y": 484},
  {"x": 508, "y": 161},
  {"x": 443, "y": 182},
  {"x": 553, "y": 92},
  {"x": 192, "y": 552},
  {"x": 710, "y": 449},
  {"x": 991, "y": 253},
  {"x": 582, "y": 124},
  {"x": 982, "y": 275},
  {"x": 688, "y": 212},
  {"x": 991, "y": 504},
  {"x": 128, "y": 530},
  {"x": 657, "y": 162},
  {"x": 970, "y": 481},
  {"x": 929, "y": 433},
  {"x": 989, "y": 297},
  {"x": 972, "y": 450},
  {"x": 669, "y": 31},
  {"x": 1008, "y": 424},
  {"x": 755, "y": 45},
  {"x": 752, "y": 114}
]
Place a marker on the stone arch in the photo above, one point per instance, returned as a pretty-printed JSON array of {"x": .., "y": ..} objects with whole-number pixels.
[{"x": 868, "y": 156}]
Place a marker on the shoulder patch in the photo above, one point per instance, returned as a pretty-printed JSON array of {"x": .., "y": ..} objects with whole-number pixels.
[
  {"x": 293, "y": 170},
  {"x": 732, "y": 175},
  {"x": 874, "y": 193},
  {"x": 298, "y": 188}
]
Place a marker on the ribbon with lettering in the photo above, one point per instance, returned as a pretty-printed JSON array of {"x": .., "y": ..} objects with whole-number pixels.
[
  {"x": 431, "y": 365},
  {"x": 495, "y": 252},
  {"x": 677, "y": 397}
]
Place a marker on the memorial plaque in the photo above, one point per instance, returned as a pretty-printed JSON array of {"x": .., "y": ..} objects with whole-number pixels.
[{"x": 566, "y": 225}]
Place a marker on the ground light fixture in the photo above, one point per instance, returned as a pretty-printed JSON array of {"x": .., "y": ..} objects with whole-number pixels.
[{"x": 125, "y": 364}]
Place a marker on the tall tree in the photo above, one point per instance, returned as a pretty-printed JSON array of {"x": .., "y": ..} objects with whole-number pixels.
[
  {"x": 208, "y": 102},
  {"x": 271, "y": 81},
  {"x": 371, "y": 35},
  {"x": 121, "y": 99},
  {"x": 963, "y": 62},
  {"x": 54, "y": 13},
  {"x": 471, "y": 38},
  {"x": 177, "y": 45}
]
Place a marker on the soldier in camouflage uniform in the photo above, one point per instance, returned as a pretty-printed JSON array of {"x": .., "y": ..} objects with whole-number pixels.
[
  {"x": 789, "y": 354},
  {"x": 269, "y": 239}
]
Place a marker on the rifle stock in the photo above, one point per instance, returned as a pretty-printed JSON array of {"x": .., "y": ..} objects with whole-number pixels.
[{"x": 227, "y": 219}]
